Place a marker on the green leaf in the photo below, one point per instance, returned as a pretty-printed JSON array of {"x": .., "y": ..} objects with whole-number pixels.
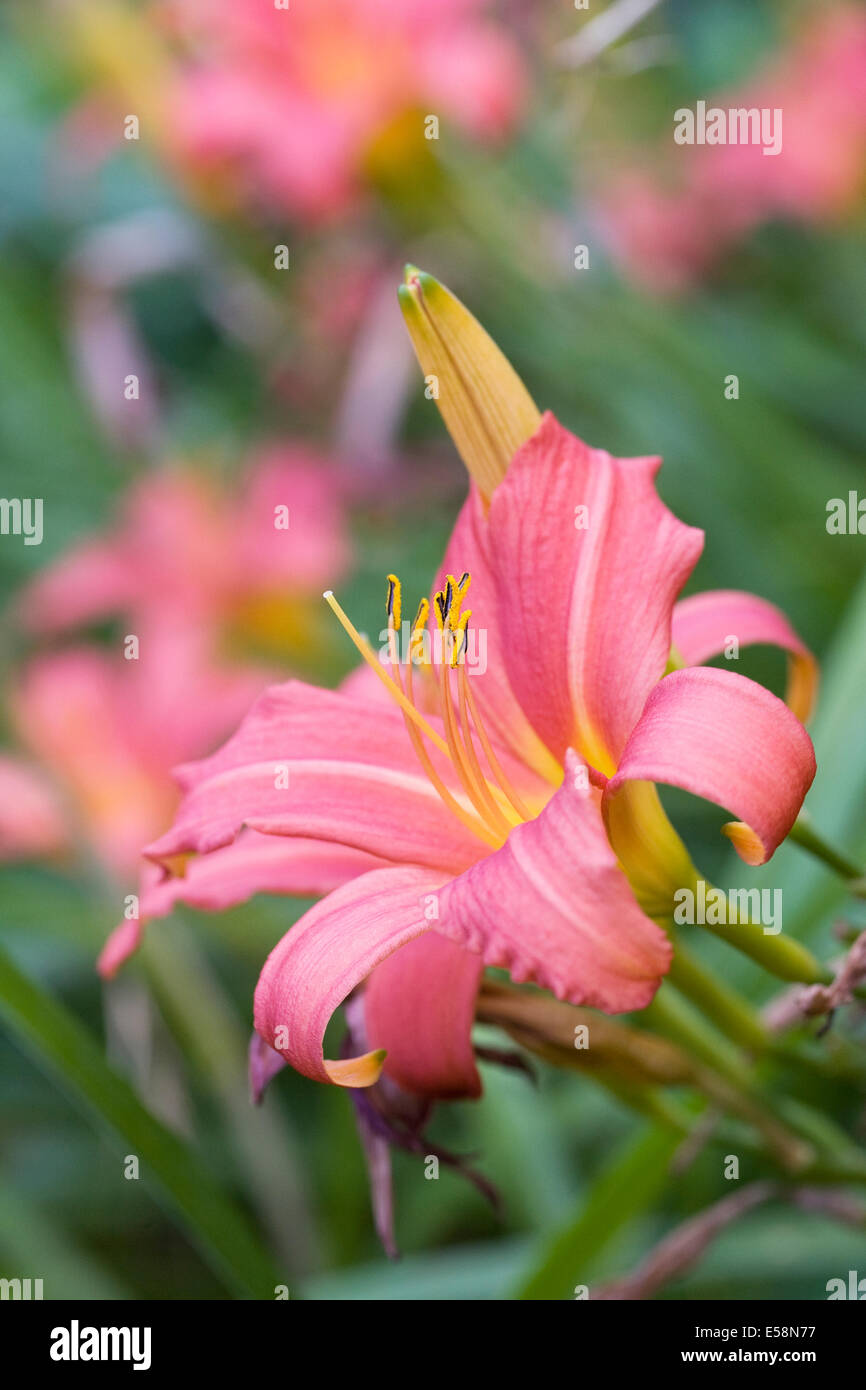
[
  {"x": 176, "y": 1174},
  {"x": 212, "y": 1041},
  {"x": 623, "y": 1190}
]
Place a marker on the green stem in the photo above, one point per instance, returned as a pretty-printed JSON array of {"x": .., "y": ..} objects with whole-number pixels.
[
  {"x": 804, "y": 834},
  {"x": 781, "y": 955},
  {"x": 741, "y": 1024},
  {"x": 728, "y": 1010},
  {"x": 838, "y": 1157},
  {"x": 670, "y": 1015},
  {"x": 728, "y": 1078}
]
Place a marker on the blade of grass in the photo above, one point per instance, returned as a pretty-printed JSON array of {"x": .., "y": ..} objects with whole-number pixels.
[
  {"x": 215, "y": 1225},
  {"x": 207, "y": 1028},
  {"x": 622, "y": 1191}
]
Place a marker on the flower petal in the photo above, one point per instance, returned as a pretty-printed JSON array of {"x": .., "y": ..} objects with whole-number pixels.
[
  {"x": 704, "y": 624},
  {"x": 320, "y": 764},
  {"x": 725, "y": 738},
  {"x": 419, "y": 1005},
  {"x": 469, "y": 551},
  {"x": 326, "y": 955},
  {"x": 553, "y": 906},
  {"x": 90, "y": 581},
  {"x": 585, "y": 596},
  {"x": 213, "y": 882}
]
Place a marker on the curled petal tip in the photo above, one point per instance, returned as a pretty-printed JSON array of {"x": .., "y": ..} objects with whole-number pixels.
[
  {"x": 745, "y": 841},
  {"x": 357, "y": 1071},
  {"x": 803, "y": 678}
]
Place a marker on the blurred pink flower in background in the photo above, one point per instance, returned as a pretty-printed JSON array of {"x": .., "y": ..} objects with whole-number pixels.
[
  {"x": 670, "y": 222},
  {"x": 291, "y": 100},
  {"x": 79, "y": 713},
  {"x": 32, "y": 815},
  {"x": 185, "y": 548},
  {"x": 192, "y": 569}
]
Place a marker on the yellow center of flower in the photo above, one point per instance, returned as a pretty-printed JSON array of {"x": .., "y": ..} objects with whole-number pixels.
[{"x": 486, "y": 802}]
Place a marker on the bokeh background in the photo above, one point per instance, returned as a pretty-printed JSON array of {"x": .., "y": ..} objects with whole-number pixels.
[{"x": 158, "y": 257}]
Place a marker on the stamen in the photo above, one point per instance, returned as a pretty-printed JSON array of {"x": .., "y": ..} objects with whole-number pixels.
[
  {"x": 460, "y": 587},
  {"x": 416, "y": 644},
  {"x": 373, "y": 661},
  {"x": 497, "y": 808},
  {"x": 394, "y": 603},
  {"x": 458, "y": 641},
  {"x": 477, "y": 827},
  {"x": 458, "y": 753},
  {"x": 492, "y": 760},
  {"x": 441, "y": 608},
  {"x": 487, "y": 792}
]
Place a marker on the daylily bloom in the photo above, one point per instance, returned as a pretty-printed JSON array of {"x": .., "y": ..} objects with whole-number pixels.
[
  {"x": 671, "y": 218},
  {"x": 505, "y": 817},
  {"x": 291, "y": 103},
  {"x": 213, "y": 586},
  {"x": 32, "y": 821},
  {"x": 107, "y": 733},
  {"x": 186, "y": 551},
  {"x": 288, "y": 108}
]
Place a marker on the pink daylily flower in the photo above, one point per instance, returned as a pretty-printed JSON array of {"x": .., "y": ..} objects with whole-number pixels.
[
  {"x": 288, "y": 104},
  {"x": 191, "y": 569},
  {"x": 32, "y": 814},
  {"x": 110, "y": 732},
  {"x": 184, "y": 549},
  {"x": 493, "y": 812}
]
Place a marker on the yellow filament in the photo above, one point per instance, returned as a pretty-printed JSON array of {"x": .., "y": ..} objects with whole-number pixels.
[
  {"x": 477, "y": 827},
  {"x": 495, "y": 806},
  {"x": 497, "y": 811},
  {"x": 458, "y": 754},
  {"x": 493, "y": 761},
  {"x": 373, "y": 661}
]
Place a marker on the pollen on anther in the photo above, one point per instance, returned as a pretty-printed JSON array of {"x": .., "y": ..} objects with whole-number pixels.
[{"x": 394, "y": 603}]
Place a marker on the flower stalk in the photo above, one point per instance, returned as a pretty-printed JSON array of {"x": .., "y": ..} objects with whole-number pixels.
[{"x": 804, "y": 834}]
